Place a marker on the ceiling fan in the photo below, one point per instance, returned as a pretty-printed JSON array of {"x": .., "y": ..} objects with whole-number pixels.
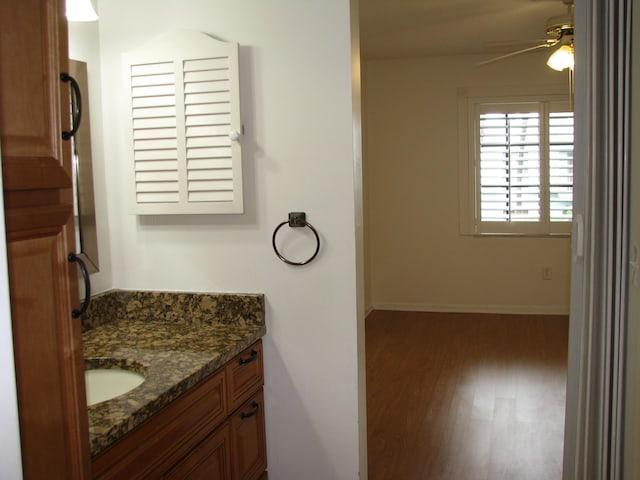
[{"x": 559, "y": 31}]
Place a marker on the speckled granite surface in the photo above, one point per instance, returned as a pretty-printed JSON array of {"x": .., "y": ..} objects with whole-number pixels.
[
  {"x": 179, "y": 307},
  {"x": 175, "y": 339}
]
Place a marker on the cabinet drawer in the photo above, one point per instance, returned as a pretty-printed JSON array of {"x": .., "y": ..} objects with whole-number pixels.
[
  {"x": 248, "y": 442},
  {"x": 210, "y": 459},
  {"x": 244, "y": 376},
  {"x": 152, "y": 447}
]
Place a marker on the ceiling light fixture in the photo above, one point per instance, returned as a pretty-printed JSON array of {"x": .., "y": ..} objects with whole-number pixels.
[
  {"x": 562, "y": 58},
  {"x": 81, "y": 11}
]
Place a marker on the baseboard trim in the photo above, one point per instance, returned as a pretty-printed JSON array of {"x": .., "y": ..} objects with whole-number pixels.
[{"x": 508, "y": 309}]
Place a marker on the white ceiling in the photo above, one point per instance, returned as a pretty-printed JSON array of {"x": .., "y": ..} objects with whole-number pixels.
[{"x": 402, "y": 28}]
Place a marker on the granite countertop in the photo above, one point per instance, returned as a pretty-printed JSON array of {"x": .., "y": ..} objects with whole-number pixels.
[{"x": 173, "y": 356}]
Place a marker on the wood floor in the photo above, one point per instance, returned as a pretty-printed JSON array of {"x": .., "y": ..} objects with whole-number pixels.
[{"x": 465, "y": 396}]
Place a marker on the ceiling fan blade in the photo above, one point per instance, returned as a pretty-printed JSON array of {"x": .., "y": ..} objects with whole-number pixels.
[
  {"x": 518, "y": 52},
  {"x": 512, "y": 44}
]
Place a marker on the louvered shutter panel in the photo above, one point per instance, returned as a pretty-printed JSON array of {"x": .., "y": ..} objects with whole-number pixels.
[
  {"x": 509, "y": 146},
  {"x": 155, "y": 136},
  {"x": 186, "y": 128},
  {"x": 560, "y": 166}
]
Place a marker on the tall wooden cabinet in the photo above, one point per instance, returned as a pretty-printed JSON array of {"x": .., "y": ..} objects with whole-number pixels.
[{"x": 37, "y": 187}]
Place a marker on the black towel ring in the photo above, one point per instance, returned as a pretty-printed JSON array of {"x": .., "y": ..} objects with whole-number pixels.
[{"x": 296, "y": 220}]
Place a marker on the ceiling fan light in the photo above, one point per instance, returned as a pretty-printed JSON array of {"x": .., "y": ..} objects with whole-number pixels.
[
  {"x": 81, "y": 11},
  {"x": 562, "y": 58}
]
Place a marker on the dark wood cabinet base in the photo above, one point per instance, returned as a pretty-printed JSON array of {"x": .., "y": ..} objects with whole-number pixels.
[{"x": 200, "y": 434}]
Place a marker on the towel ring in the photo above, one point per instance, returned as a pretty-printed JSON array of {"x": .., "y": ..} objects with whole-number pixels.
[{"x": 296, "y": 220}]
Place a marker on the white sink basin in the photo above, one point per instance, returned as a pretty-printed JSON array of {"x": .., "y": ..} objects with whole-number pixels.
[{"x": 107, "y": 383}]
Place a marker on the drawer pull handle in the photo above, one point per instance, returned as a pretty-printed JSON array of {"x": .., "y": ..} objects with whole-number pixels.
[
  {"x": 256, "y": 409},
  {"x": 253, "y": 357}
]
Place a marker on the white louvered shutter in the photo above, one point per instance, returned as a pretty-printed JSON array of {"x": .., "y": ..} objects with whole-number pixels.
[
  {"x": 186, "y": 127},
  {"x": 560, "y": 166},
  {"x": 509, "y": 144}
]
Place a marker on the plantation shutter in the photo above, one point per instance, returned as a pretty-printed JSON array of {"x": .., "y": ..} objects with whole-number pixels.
[
  {"x": 185, "y": 125},
  {"x": 509, "y": 166},
  {"x": 560, "y": 166}
]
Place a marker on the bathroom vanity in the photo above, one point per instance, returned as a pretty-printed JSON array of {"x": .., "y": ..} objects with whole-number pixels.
[{"x": 200, "y": 411}]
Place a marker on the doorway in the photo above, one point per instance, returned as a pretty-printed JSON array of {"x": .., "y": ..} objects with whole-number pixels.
[{"x": 418, "y": 256}]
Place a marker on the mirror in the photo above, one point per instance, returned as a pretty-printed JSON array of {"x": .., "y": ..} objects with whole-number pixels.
[{"x": 84, "y": 203}]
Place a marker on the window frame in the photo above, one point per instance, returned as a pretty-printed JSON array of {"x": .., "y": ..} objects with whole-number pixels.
[{"x": 471, "y": 104}]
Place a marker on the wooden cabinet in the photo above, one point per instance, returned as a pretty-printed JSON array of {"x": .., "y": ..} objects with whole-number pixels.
[
  {"x": 37, "y": 190},
  {"x": 245, "y": 379},
  {"x": 155, "y": 446},
  {"x": 205, "y": 433},
  {"x": 244, "y": 376}
]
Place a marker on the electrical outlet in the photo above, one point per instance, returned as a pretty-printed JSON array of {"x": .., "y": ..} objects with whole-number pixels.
[{"x": 547, "y": 273}]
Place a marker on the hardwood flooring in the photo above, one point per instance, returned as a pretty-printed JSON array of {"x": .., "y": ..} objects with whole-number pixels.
[{"x": 465, "y": 396}]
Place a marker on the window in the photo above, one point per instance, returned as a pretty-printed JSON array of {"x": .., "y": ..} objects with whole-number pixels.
[{"x": 520, "y": 165}]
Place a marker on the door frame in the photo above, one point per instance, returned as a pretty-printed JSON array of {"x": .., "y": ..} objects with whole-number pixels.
[{"x": 595, "y": 384}]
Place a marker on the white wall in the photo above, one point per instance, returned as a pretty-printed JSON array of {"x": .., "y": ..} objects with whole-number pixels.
[
  {"x": 10, "y": 459},
  {"x": 296, "y": 91},
  {"x": 418, "y": 259}
]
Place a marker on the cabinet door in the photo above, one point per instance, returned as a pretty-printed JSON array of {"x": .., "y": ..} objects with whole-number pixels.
[
  {"x": 209, "y": 460},
  {"x": 37, "y": 192},
  {"x": 249, "y": 452},
  {"x": 33, "y": 52}
]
